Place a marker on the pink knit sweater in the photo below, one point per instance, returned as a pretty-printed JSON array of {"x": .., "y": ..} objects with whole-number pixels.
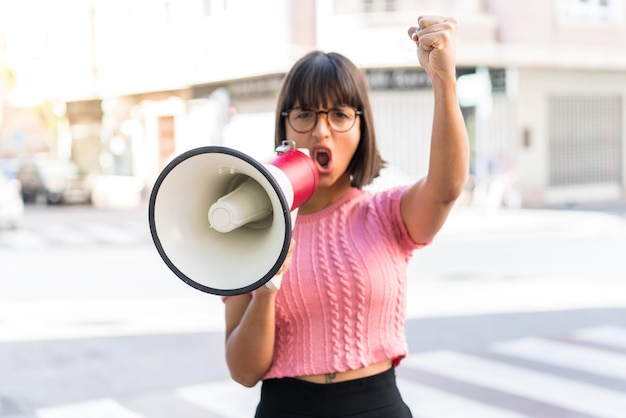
[{"x": 342, "y": 302}]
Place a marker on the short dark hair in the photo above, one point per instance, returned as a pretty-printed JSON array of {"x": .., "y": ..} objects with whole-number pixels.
[{"x": 320, "y": 78}]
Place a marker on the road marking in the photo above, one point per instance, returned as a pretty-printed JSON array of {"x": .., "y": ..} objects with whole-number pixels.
[
  {"x": 227, "y": 398},
  {"x": 539, "y": 386},
  {"x": 112, "y": 234},
  {"x": 75, "y": 319},
  {"x": 607, "y": 335},
  {"x": 586, "y": 359},
  {"x": 22, "y": 239},
  {"x": 65, "y": 234},
  {"x": 427, "y": 402},
  {"x": 99, "y": 408},
  {"x": 43, "y": 236}
]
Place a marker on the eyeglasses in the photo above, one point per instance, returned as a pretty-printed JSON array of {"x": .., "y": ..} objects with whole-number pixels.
[{"x": 304, "y": 120}]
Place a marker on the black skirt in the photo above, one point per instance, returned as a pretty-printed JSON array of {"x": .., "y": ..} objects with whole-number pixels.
[{"x": 370, "y": 397}]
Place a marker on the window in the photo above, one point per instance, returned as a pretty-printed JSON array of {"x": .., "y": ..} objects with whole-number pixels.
[
  {"x": 591, "y": 11},
  {"x": 585, "y": 140},
  {"x": 373, "y": 6},
  {"x": 370, "y": 6},
  {"x": 213, "y": 7}
]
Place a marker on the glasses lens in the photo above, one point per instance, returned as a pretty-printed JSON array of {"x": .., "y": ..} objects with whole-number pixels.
[
  {"x": 340, "y": 120},
  {"x": 302, "y": 120}
]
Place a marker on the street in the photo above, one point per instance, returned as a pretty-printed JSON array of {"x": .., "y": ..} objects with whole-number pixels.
[{"x": 511, "y": 314}]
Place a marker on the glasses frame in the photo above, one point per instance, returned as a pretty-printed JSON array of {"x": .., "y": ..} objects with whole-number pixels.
[{"x": 285, "y": 114}]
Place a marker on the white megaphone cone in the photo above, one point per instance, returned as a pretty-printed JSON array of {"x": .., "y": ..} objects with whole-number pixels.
[{"x": 222, "y": 221}]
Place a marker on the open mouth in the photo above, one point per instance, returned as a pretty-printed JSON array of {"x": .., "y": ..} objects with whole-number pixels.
[{"x": 322, "y": 158}]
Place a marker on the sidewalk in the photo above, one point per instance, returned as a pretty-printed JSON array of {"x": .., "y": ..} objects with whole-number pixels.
[
  {"x": 491, "y": 285},
  {"x": 465, "y": 220}
]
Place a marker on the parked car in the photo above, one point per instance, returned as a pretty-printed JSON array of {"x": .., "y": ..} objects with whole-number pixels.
[
  {"x": 52, "y": 180},
  {"x": 11, "y": 204}
]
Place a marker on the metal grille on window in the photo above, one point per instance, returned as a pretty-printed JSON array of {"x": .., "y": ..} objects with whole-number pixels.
[{"x": 584, "y": 140}]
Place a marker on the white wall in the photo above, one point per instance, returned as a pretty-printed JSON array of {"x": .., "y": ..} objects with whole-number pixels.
[{"x": 535, "y": 87}]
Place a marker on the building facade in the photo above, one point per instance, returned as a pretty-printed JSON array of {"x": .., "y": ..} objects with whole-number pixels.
[{"x": 145, "y": 80}]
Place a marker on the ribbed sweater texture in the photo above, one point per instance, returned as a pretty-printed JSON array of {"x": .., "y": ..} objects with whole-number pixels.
[{"x": 342, "y": 303}]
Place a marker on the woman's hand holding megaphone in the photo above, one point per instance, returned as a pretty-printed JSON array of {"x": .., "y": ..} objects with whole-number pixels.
[{"x": 275, "y": 283}]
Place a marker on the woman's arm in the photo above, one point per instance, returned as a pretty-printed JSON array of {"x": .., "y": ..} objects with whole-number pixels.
[
  {"x": 251, "y": 330},
  {"x": 250, "y": 333},
  {"x": 426, "y": 204}
]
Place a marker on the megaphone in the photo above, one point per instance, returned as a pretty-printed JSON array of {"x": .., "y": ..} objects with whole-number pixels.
[{"x": 222, "y": 221}]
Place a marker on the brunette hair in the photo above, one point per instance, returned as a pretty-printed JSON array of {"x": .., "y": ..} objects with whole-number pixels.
[{"x": 320, "y": 78}]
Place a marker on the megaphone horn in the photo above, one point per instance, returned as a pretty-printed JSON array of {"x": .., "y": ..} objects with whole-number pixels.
[{"x": 222, "y": 221}]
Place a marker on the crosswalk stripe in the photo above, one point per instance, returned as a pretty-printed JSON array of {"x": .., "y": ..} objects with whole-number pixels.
[
  {"x": 78, "y": 319},
  {"x": 67, "y": 234},
  {"x": 99, "y": 408},
  {"x": 539, "y": 386},
  {"x": 566, "y": 355},
  {"x": 226, "y": 398},
  {"x": 44, "y": 236},
  {"x": 22, "y": 238},
  {"x": 607, "y": 335},
  {"x": 111, "y": 233},
  {"x": 427, "y": 402}
]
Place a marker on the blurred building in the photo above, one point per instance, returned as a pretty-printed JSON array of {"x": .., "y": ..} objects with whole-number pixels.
[{"x": 135, "y": 82}]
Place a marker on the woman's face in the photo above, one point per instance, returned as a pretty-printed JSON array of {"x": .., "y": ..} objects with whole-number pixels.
[{"x": 331, "y": 151}]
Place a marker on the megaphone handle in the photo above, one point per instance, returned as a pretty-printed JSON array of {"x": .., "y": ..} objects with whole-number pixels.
[{"x": 275, "y": 282}]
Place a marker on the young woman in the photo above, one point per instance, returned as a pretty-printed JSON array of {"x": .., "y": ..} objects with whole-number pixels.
[{"x": 327, "y": 342}]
